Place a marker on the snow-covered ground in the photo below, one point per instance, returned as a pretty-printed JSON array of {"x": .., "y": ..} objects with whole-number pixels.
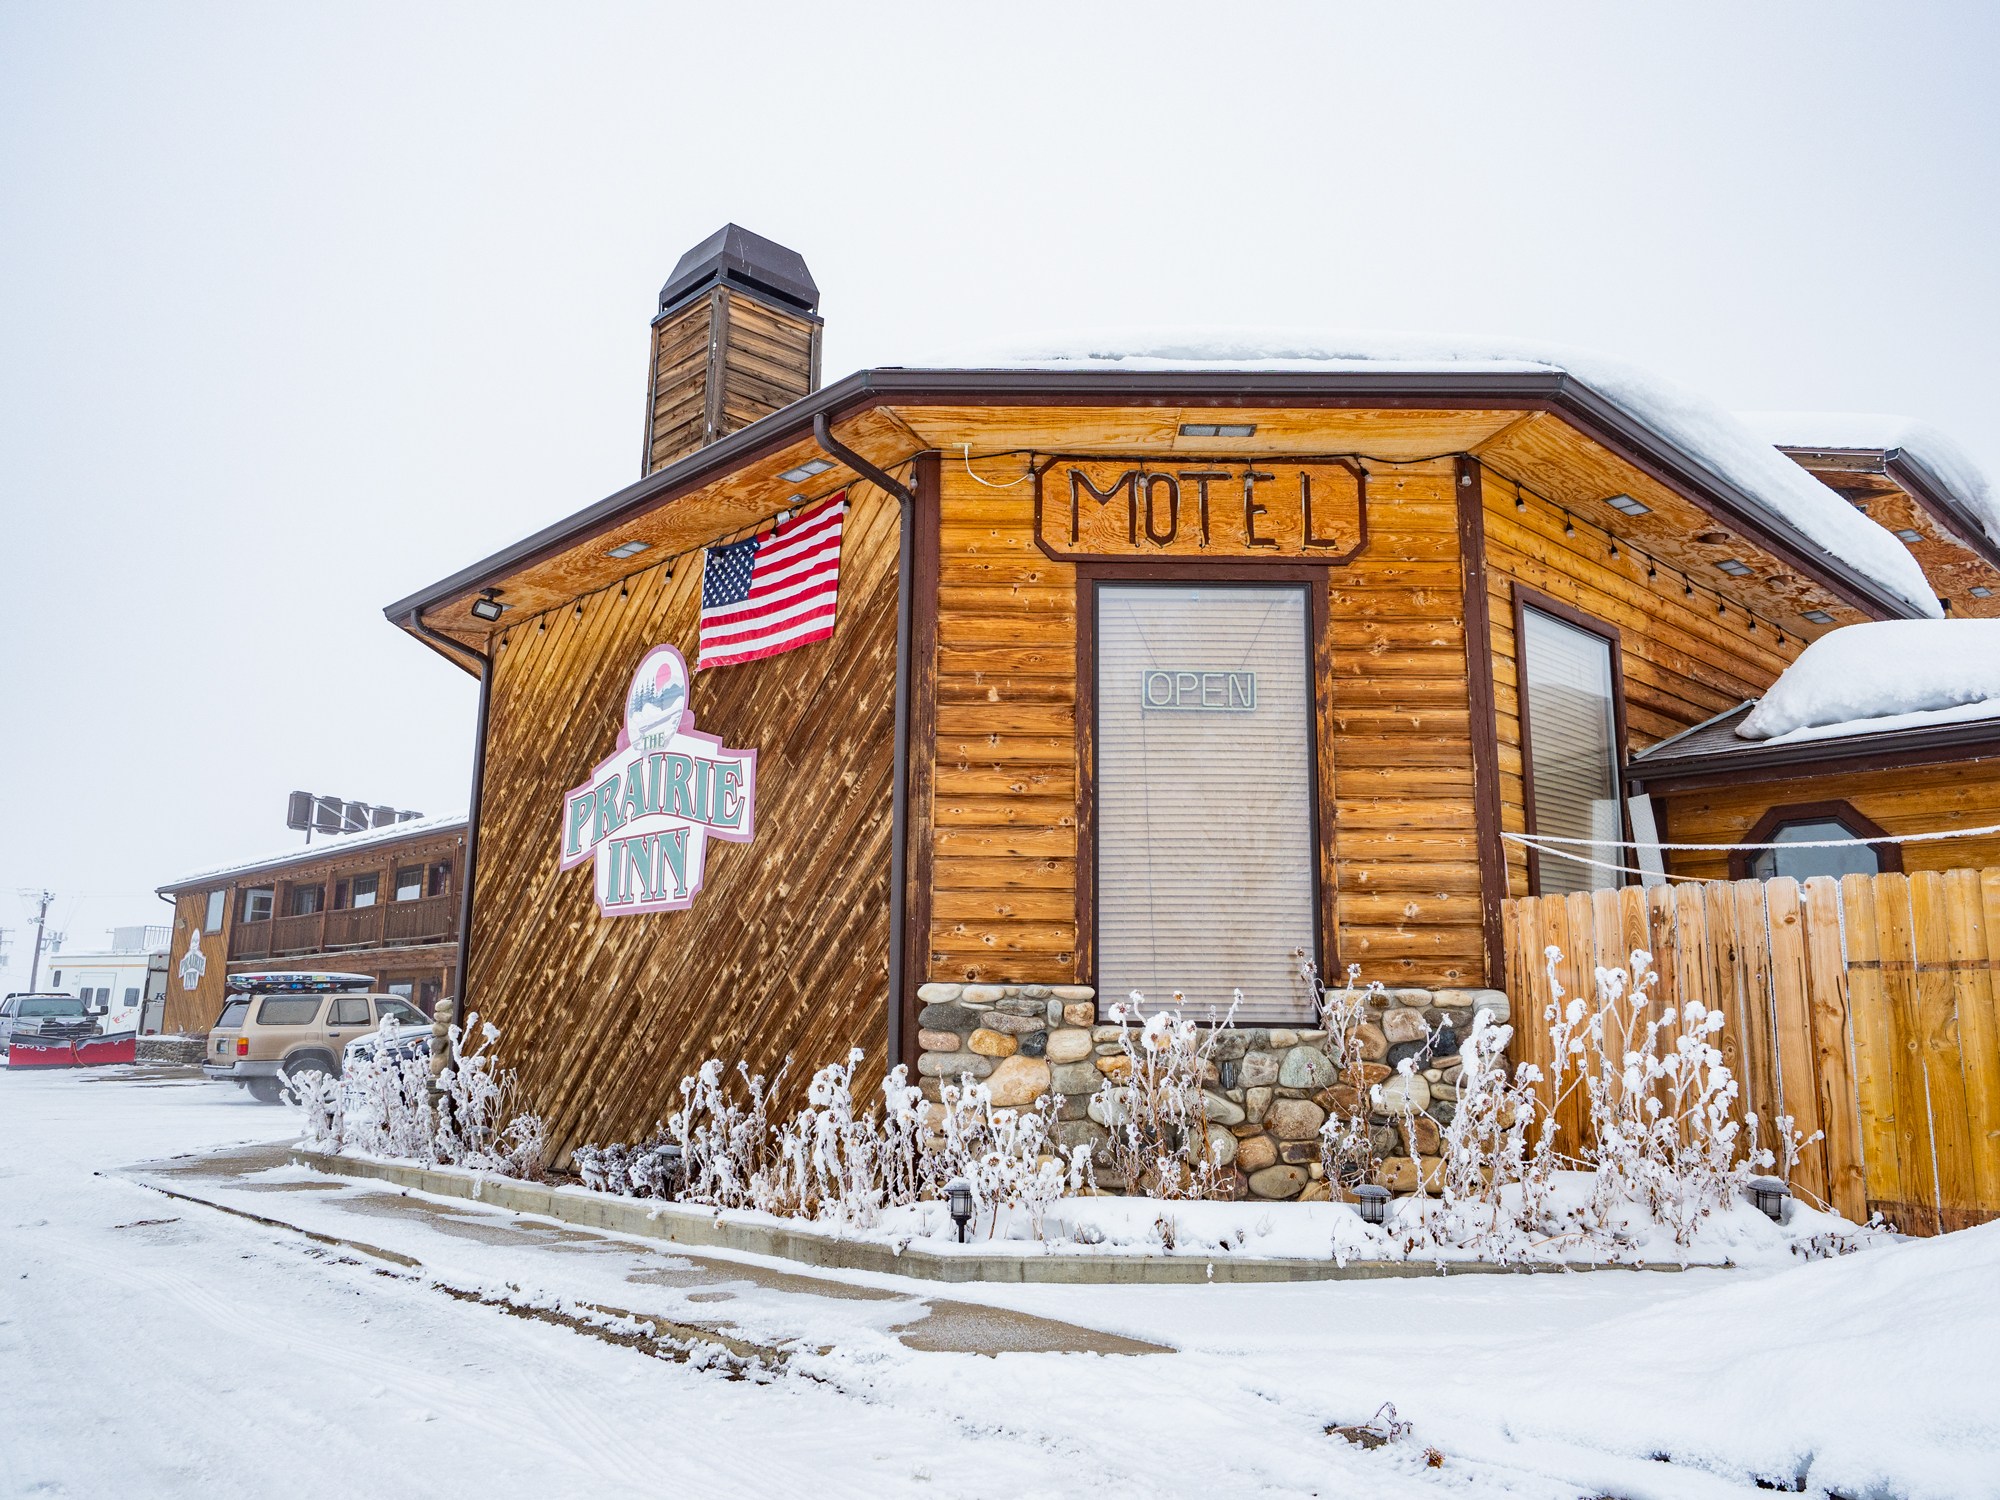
[{"x": 155, "y": 1346}]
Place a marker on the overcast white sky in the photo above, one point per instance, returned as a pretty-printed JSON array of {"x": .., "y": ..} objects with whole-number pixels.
[{"x": 304, "y": 306}]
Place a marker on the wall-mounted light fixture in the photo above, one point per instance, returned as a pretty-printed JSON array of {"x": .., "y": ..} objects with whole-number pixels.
[
  {"x": 628, "y": 549},
  {"x": 1734, "y": 568},
  {"x": 487, "y": 608},
  {"x": 1219, "y": 429},
  {"x": 1628, "y": 505},
  {"x": 1904, "y": 534},
  {"x": 1817, "y": 616}
]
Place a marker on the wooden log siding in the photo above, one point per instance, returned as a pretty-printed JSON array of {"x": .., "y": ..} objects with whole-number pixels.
[
  {"x": 1396, "y": 754},
  {"x": 1912, "y": 799},
  {"x": 785, "y": 951},
  {"x": 192, "y": 1012},
  {"x": 1682, "y": 662},
  {"x": 1865, "y": 1008}
]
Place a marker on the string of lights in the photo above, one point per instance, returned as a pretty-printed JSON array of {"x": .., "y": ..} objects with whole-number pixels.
[{"x": 1616, "y": 548}]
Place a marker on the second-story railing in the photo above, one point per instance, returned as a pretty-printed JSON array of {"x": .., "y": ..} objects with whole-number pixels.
[{"x": 429, "y": 919}]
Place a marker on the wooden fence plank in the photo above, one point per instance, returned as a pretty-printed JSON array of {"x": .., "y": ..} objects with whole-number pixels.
[
  {"x": 1871, "y": 1012},
  {"x": 1791, "y": 1031},
  {"x": 1916, "y": 1181},
  {"x": 1833, "y": 1048},
  {"x": 1753, "y": 984},
  {"x": 1969, "y": 940},
  {"x": 1938, "y": 1050}
]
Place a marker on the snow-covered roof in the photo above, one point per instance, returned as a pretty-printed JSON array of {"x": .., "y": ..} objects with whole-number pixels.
[
  {"x": 1718, "y": 438},
  {"x": 1876, "y": 432},
  {"x": 1881, "y": 676},
  {"x": 322, "y": 847}
]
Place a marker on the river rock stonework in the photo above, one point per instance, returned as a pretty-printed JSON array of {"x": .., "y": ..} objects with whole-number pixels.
[{"x": 1269, "y": 1087}]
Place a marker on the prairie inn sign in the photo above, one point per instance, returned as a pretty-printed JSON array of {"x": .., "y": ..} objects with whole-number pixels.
[
  {"x": 649, "y": 809},
  {"x": 1302, "y": 508}
]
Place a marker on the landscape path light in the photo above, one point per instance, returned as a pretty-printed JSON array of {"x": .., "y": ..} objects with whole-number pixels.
[
  {"x": 1772, "y": 1197},
  {"x": 959, "y": 1192},
  {"x": 1373, "y": 1201}
]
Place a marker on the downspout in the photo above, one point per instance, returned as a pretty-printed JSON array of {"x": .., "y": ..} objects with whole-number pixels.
[
  {"x": 899, "y": 774},
  {"x": 414, "y": 622}
]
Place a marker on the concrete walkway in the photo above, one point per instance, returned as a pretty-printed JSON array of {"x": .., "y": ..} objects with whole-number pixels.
[{"x": 692, "y": 1291}]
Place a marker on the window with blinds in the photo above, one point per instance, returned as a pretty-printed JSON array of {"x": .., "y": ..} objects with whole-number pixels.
[
  {"x": 1572, "y": 731},
  {"x": 1204, "y": 796}
]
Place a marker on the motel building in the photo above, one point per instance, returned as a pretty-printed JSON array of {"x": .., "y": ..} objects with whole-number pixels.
[{"x": 1028, "y": 683}]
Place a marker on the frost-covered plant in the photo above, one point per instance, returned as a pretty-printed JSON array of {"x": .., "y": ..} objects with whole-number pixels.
[
  {"x": 474, "y": 1098},
  {"x": 1007, "y": 1156},
  {"x": 725, "y": 1145},
  {"x": 383, "y": 1100},
  {"x": 317, "y": 1095},
  {"x": 831, "y": 1160},
  {"x": 1347, "y": 1138},
  {"x": 1660, "y": 1100},
  {"x": 1491, "y": 1185},
  {"x": 831, "y": 1163},
  {"x": 650, "y": 1169},
  {"x": 1155, "y": 1106}
]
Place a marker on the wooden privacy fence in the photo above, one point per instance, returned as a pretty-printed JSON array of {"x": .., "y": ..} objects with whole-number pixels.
[{"x": 1867, "y": 1008}]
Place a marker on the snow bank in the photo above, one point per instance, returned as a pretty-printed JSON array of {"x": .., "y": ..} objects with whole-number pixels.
[
  {"x": 1953, "y": 467},
  {"x": 1880, "y": 675},
  {"x": 1865, "y": 1375},
  {"x": 1719, "y": 439}
]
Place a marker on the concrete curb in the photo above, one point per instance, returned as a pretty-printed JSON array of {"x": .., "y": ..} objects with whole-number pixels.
[{"x": 698, "y": 1228}]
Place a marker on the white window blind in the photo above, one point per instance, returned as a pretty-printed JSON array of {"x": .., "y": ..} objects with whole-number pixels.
[
  {"x": 1204, "y": 796},
  {"x": 1572, "y": 748}
]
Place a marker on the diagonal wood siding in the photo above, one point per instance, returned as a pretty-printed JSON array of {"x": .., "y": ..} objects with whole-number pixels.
[
  {"x": 785, "y": 951},
  {"x": 1866, "y": 1008}
]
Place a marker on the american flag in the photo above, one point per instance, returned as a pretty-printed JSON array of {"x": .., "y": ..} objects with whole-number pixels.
[{"x": 774, "y": 591}]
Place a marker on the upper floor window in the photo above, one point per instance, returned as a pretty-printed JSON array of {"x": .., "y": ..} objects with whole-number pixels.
[
  {"x": 307, "y": 899},
  {"x": 213, "y": 921},
  {"x": 1570, "y": 741},
  {"x": 410, "y": 883},
  {"x": 257, "y": 903},
  {"x": 440, "y": 877}
]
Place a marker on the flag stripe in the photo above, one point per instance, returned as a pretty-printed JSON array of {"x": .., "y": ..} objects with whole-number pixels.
[{"x": 775, "y": 592}]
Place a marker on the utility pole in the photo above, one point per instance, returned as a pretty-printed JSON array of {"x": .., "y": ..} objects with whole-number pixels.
[{"x": 44, "y": 899}]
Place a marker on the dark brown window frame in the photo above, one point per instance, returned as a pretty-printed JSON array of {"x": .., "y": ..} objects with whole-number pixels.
[
  {"x": 1837, "y": 809},
  {"x": 1525, "y": 599},
  {"x": 1315, "y": 579}
]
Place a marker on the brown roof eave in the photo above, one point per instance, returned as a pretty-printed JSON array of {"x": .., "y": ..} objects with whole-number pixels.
[
  {"x": 1935, "y": 496},
  {"x": 1976, "y": 740},
  {"x": 1553, "y": 390}
]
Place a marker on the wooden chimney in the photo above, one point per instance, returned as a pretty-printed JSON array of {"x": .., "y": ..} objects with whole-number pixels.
[{"x": 737, "y": 337}]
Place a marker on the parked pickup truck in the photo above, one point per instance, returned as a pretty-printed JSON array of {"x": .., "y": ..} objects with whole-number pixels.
[
  {"x": 44, "y": 1014},
  {"x": 276, "y": 1024}
]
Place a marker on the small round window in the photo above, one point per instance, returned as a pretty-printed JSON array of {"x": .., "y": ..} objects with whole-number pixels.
[{"x": 1854, "y": 859}]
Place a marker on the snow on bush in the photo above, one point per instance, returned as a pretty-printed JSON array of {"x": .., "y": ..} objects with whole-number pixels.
[
  {"x": 1347, "y": 1138},
  {"x": 1155, "y": 1107},
  {"x": 386, "y": 1104},
  {"x": 473, "y": 1100},
  {"x": 837, "y": 1164},
  {"x": 1662, "y": 1145}
]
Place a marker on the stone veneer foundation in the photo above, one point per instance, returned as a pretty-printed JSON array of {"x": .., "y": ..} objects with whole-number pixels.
[{"x": 1269, "y": 1088}]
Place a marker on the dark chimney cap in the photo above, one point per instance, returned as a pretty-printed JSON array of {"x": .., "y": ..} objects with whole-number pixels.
[{"x": 749, "y": 261}]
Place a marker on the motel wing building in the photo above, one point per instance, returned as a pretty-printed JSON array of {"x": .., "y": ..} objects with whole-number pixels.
[{"x": 1152, "y": 668}]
